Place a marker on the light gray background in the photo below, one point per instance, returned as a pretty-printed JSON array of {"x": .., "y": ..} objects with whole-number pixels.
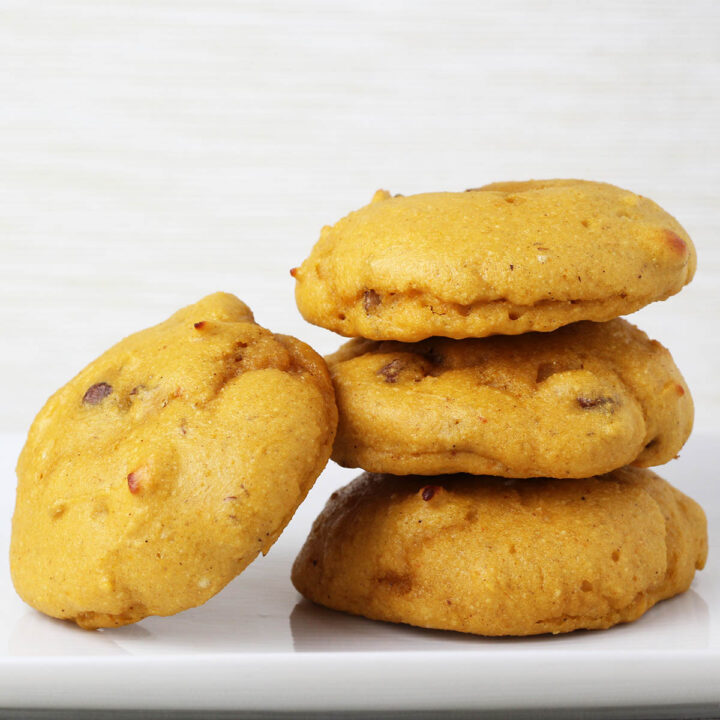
[{"x": 153, "y": 152}]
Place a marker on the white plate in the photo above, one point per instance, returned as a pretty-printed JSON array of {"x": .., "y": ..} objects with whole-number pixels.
[{"x": 258, "y": 646}]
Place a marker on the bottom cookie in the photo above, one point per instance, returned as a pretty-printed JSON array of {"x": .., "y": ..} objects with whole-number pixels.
[{"x": 493, "y": 556}]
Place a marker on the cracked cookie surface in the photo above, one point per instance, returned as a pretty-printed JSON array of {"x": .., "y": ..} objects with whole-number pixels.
[
  {"x": 507, "y": 258},
  {"x": 579, "y": 401},
  {"x": 158, "y": 473},
  {"x": 492, "y": 556}
]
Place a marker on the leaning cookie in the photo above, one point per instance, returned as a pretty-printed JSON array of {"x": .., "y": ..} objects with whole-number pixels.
[
  {"x": 507, "y": 258},
  {"x": 503, "y": 557},
  {"x": 156, "y": 475},
  {"x": 579, "y": 401}
]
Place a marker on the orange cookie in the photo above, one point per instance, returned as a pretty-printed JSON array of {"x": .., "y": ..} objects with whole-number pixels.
[
  {"x": 579, "y": 401},
  {"x": 507, "y": 258},
  {"x": 156, "y": 475},
  {"x": 503, "y": 557}
]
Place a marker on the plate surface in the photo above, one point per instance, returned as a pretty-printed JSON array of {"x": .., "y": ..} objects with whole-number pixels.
[{"x": 258, "y": 646}]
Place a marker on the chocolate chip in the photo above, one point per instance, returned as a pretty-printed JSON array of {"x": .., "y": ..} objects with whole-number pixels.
[
  {"x": 391, "y": 371},
  {"x": 96, "y": 393},
  {"x": 428, "y": 492},
  {"x": 199, "y": 325},
  {"x": 371, "y": 300},
  {"x": 598, "y": 402}
]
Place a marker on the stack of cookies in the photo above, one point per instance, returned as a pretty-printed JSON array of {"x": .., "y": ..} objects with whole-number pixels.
[{"x": 503, "y": 411}]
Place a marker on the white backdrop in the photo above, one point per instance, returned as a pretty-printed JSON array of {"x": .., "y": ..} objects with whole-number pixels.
[{"x": 153, "y": 152}]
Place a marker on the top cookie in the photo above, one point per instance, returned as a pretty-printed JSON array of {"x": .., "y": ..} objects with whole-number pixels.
[
  {"x": 156, "y": 475},
  {"x": 507, "y": 258}
]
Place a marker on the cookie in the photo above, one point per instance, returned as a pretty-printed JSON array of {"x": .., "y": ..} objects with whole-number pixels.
[
  {"x": 507, "y": 258},
  {"x": 503, "y": 557},
  {"x": 579, "y": 401},
  {"x": 156, "y": 475}
]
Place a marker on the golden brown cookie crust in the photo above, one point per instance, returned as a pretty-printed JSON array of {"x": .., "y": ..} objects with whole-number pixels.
[
  {"x": 507, "y": 258},
  {"x": 156, "y": 475},
  {"x": 579, "y": 401},
  {"x": 503, "y": 557}
]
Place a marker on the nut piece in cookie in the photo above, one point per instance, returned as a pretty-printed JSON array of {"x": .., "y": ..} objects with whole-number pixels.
[
  {"x": 491, "y": 556},
  {"x": 156, "y": 475}
]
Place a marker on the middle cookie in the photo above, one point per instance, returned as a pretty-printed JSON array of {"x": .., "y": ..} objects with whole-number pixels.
[{"x": 580, "y": 401}]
